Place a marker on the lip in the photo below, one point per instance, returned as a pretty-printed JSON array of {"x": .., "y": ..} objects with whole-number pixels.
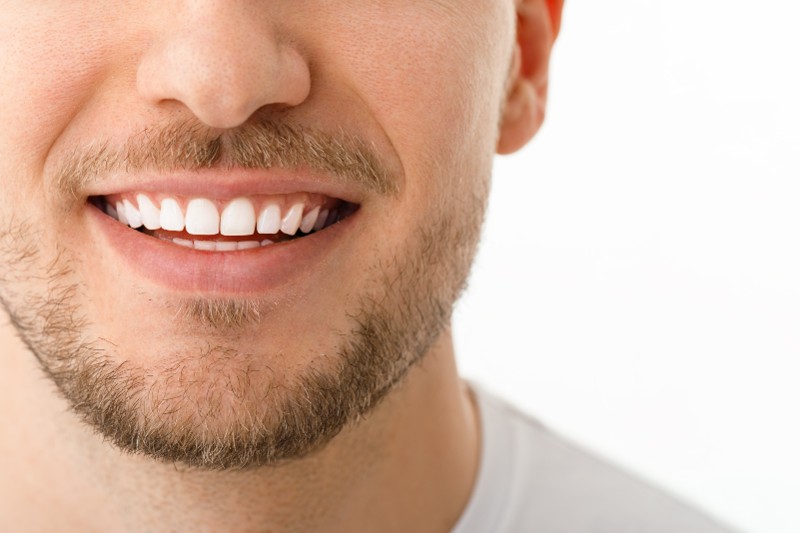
[
  {"x": 243, "y": 272},
  {"x": 226, "y": 184}
]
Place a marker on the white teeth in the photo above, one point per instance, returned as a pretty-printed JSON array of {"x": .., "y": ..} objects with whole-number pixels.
[
  {"x": 247, "y": 245},
  {"x": 202, "y": 217},
  {"x": 269, "y": 221},
  {"x": 171, "y": 215},
  {"x": 151, "y": 215},
  {"x": 321, "y": 219},
  {"x": 207, "y": 246},
  {"x": 219, "y": 246},
  {"x": 132, "y": 215},
  {"x": 121, "y": 213},
  {"x": 309, "y": 220},
  {"x": 183, "y": 242},
  {"x": 238, "y": 218},
  {"x": 266, "y": 242},
  {"x": 227, "y": 246},
  {"x": 291, "y": 222}
]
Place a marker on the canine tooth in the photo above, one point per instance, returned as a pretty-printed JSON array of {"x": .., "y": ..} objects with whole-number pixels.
[
  {"x": 321, "y": 219},
  {"x": 269, "y": 221},
  {"x": 208, "y": 246},
  {"x": 183, "y": 242},
  {"x": 121, "y": 213},
  {"x": 202, "y": 218},
  {"x": 228, "y": 246},
  {"x": 291, "y": 222},
  {"x": 308, "y": 222},
  {"x": 151, "y": 215},
  {"x": 132, "y": 214},
  {"x": 238, "y": 218},
  {"x": 111, "y": 211},
  {"x": 171, "y": 215},
  {"x": 247, "y": 245}
]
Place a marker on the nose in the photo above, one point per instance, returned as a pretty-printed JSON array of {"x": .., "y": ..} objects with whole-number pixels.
[{"x": 223, "y": 60}]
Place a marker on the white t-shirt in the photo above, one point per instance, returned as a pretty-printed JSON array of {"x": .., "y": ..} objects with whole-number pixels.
[{"x": 530, "y": 479}]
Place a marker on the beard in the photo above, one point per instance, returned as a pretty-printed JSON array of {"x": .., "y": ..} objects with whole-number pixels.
[{"x": 217, "y": 408}]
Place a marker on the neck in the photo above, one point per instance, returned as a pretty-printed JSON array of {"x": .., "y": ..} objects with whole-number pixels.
[{"x": 407, "y": 466}]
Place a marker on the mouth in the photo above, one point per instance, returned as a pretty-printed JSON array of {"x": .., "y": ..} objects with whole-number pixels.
[
  {"x": 214, "y": 225},
  {"x": 244, "y": 244}
]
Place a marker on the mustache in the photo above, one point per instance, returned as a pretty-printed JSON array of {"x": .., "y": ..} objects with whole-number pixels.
[{"x": 188, "y": 145}]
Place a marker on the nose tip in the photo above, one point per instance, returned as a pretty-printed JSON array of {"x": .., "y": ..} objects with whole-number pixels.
[{"x": 221, "y": 78}]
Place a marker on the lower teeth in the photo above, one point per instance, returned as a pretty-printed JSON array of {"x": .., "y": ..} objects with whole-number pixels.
[{"x": 220, "y": 246}]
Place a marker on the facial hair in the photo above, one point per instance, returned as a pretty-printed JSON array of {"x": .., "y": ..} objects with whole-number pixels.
[{"x": 206, "y": 410}]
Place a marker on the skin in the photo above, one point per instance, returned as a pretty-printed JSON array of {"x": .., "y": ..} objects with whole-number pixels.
[{"x": 436, "y": 87}]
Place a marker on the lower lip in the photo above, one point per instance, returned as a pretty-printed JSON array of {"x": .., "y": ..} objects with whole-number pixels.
[{"x": 238, "y": 272}]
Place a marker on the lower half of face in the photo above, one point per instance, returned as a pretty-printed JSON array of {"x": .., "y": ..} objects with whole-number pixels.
[
  {"x": 235, "y": 380},
  {"x": 219, "y": 357}
]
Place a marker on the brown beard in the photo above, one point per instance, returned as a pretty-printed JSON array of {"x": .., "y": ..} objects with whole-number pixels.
[{"x": 207, "y": 410}]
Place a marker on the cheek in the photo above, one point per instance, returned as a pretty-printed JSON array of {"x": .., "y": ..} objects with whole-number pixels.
[
  {"x": 434, "y": 79},
  {"x": 431, "y": 83},
  {"x": 52, "y": 57}
]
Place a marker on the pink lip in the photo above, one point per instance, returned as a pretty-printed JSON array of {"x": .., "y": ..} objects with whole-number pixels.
[
  {"x": 231, "y": 183},
  {"x": 239, "y": 272}
]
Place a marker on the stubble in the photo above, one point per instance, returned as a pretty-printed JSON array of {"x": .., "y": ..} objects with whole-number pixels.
[{"x": 208, "y": 409}]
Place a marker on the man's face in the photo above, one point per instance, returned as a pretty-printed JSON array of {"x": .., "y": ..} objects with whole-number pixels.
[{"x": 383, "y": 113}]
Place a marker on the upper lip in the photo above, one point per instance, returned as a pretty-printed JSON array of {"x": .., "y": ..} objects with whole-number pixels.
[{"x": 229, "y": 183}]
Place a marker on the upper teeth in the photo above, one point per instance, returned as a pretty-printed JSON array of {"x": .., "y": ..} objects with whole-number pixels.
[{"x": 238, "y": 217}]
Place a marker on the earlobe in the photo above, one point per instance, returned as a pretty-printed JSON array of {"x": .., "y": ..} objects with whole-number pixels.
[{"x": 523, "y": 111}]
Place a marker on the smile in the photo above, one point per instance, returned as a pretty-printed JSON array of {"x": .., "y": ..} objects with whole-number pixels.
[
  {"x": 213, "y": 225},
  {"x": 247, "y": 232}
]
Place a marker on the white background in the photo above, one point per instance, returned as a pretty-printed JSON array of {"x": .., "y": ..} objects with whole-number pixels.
[{"x": 638, "y": 286}]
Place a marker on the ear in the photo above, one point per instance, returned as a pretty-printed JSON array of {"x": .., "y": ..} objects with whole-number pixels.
[{"x": 538, "y": 22}]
